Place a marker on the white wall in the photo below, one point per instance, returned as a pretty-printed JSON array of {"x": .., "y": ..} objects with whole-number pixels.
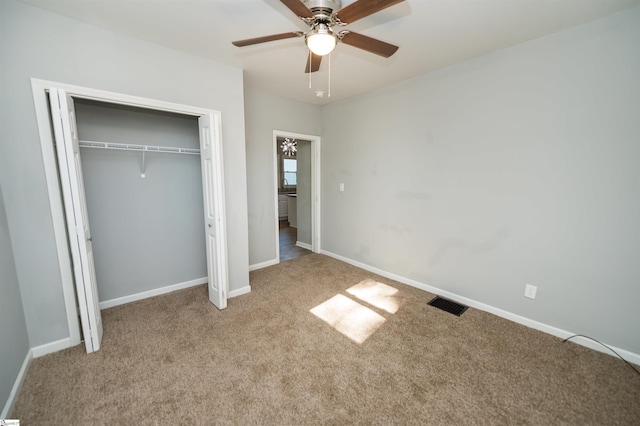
[
  {"x": 521, "y": 166},
  {"x": 147, "y": 233},
  {"x": 40, "y": 44},
  {"x": 265, "y": 113}
]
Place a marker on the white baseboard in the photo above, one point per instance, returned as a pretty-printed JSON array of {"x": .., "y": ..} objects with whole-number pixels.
[
  {"x": 49, "y": 348},
  {"x": 263, "y": 264},
  {"x": 151, "y": 293},
  {"x": 632, "y": 357},
  {"x": 304, "y": 245},
  {"x": 17, "y": 385},
  {"x": 240, "y": 291}
]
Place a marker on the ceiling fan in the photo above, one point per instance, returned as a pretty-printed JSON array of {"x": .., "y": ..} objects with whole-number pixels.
[{"x": 322, "y": 16}]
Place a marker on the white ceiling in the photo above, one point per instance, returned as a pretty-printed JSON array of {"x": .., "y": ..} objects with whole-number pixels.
[{"x": 431, "y": 34}]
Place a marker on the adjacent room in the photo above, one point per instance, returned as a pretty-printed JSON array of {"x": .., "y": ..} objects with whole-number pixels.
[{"x": 398, "y": 212}]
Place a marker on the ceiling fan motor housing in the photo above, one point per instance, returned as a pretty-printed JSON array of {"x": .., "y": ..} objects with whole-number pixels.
[{"x": 323, "y": 9}]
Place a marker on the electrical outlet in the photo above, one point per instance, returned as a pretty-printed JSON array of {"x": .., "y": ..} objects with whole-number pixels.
[
  {"x": 530, "y": 291},
  {"x": 342, "y": 187}
]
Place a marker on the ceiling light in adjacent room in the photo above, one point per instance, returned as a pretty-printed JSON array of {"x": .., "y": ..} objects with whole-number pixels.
[{"x": 289, "y": 147}]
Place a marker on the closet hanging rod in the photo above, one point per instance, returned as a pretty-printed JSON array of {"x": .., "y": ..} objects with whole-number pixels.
[{"x": 133, "y": 147}]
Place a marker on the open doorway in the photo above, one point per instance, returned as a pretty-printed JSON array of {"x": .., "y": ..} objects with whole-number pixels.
[
  {"x": 294, "y": 197},
  {"x": 297, "y": 194}
]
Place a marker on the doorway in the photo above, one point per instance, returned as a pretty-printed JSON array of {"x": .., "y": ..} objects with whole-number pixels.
[
  {"x": 296, "y": 160},
  {"x": 294, "y": 197},
  {"x": 61, "y": 115}
]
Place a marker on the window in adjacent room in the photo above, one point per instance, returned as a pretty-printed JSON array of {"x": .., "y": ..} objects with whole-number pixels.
[{"x": 290, "y": 169}]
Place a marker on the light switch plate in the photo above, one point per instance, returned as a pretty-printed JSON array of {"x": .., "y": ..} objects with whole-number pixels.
[{"x": 530, "y": 291}]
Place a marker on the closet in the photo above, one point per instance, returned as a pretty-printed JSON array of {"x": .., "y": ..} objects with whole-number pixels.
[
  {"x": 143, "y": 186},
  {"x": 150, "y": 183}
]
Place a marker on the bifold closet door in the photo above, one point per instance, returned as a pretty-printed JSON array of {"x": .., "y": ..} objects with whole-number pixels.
[
  {"x": 75, "y": 205},
  {"x": 211, "y": 161}
]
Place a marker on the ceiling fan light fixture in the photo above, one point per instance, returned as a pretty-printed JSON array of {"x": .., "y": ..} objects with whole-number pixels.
[{"x": 321, "y": 40}]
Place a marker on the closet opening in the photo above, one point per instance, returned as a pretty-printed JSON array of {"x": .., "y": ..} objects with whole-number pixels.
[
  {"x": 141, "y": 172},
  {"x": 143, "y": 186}
]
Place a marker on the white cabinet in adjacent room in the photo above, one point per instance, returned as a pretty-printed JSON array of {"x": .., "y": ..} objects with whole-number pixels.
[
  {"x": 292, "y": 209},
  {"x": 283, "y": 206}
]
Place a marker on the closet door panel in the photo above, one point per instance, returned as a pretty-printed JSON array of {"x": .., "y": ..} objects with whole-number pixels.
[
  {"x": 213, "y": 195},
  {"x": 80, "y": 240}
]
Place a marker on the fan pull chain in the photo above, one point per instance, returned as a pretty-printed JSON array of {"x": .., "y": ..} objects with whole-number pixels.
[{"x": 309, "y": 68}]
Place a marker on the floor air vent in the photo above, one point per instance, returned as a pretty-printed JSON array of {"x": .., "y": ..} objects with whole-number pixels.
[{"x": 447, "y": 305}]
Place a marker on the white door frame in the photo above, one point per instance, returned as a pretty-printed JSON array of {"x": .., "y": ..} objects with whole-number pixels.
[
  {"x": 39, "y": 89},
  {"x": 315, "y": 187}
]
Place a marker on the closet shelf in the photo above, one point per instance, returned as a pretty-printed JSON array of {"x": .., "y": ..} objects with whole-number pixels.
[{"x": 133, "y": 147}]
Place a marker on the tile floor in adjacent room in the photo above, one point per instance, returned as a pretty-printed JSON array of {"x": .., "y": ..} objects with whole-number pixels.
[{"x": 288, "y": 238}]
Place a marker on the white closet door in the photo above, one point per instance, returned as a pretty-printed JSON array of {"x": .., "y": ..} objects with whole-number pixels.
[
  {"x": 75, "y": 205},
  {"x": 212, "y": 185}
]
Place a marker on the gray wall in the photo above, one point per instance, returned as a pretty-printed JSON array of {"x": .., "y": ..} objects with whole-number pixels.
[
  {"x": 36, "y": 43},
  {"x": 304, "y": 192},
  {"x": 147, "y": 232},
  {"x": 521, "y": 166},
  {"x": 265, "y": 113},
  {"x": 14, "y": 341}
]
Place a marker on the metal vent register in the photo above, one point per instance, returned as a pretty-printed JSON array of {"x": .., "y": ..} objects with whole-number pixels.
[{"x": 448, "y": 306}]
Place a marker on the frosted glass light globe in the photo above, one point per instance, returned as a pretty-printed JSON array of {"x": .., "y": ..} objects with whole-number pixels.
[{"x": 321, "y": 42}]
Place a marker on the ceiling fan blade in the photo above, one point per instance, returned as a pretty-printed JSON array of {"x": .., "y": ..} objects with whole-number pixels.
[
  {"x": 250, "y": 41},
  {"x": 313, "y": 62},
  {"x": 369, "y": 44},
  {"x": 297, "y": 7},
  {"x": 362, "y": 8}
]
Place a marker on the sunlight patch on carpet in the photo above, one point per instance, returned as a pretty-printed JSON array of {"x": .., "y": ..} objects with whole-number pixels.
[
  {"x": 349, "y": 317},
  {"x": 376, "y": 294}
]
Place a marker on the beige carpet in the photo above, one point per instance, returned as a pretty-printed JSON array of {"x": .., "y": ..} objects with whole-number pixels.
[{"x": 272, "y": 357}]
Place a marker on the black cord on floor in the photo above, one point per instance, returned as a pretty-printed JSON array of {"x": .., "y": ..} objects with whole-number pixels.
[{"x": 590, "y": 338}]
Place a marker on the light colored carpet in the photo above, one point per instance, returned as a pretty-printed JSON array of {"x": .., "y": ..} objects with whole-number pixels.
[{"x": 318, "y": 341}]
